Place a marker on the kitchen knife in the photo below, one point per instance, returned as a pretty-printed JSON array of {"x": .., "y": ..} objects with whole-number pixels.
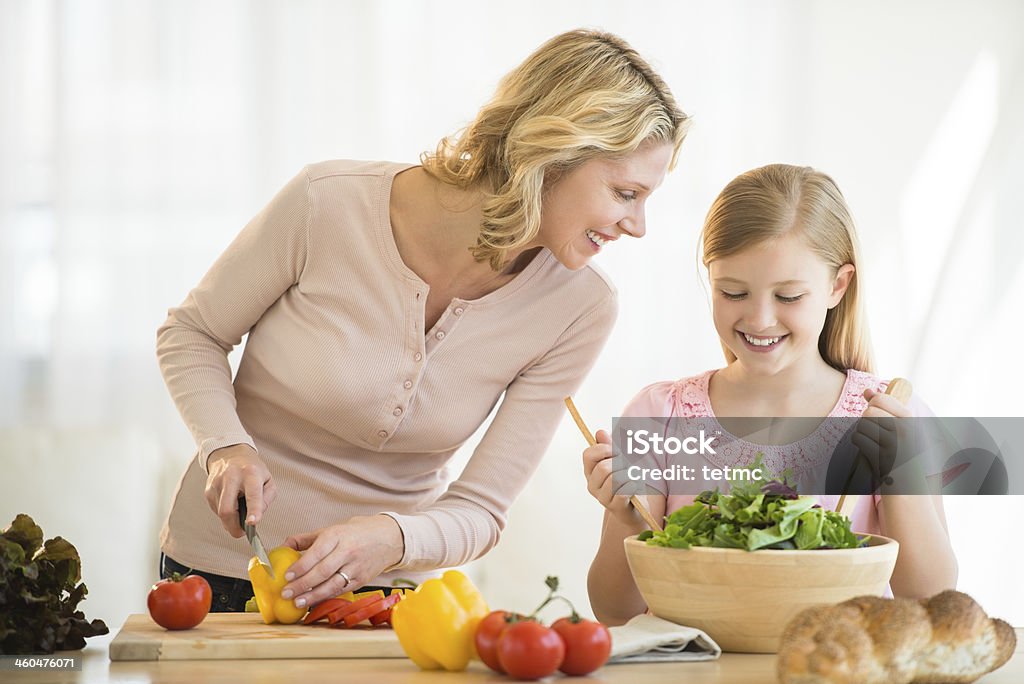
[{"x": 254, "y": 539}]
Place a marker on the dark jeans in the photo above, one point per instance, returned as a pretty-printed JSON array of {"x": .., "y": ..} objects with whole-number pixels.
[{"x": 229, "y": 594}]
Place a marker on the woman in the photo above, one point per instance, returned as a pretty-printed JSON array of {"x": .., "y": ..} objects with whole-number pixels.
[{"x": 389, "y": 308}]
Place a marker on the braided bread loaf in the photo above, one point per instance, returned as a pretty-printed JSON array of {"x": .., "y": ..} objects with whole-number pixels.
[{"x": 868, "y": 640}]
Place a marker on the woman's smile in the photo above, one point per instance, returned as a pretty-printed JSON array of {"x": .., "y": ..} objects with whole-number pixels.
[{"x": 599, "y": 240}]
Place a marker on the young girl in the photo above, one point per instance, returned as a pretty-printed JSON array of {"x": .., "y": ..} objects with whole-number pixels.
[{"x": 781, "y": 252}]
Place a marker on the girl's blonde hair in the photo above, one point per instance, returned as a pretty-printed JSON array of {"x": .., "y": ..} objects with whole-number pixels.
[
  {"x": 581, "y": 95},
  {"x": 777, "y": 199}
]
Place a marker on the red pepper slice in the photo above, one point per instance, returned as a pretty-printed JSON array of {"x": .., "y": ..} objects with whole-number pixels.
[
  {"x": 320, "y": 610},
  {"x": 380, "y": 606},
  {"x": 357, "y": 616},
  {"x": 384, "y": 617},
  {"x": 381, "y": 618},
  {"x": 335, "y": 616}
]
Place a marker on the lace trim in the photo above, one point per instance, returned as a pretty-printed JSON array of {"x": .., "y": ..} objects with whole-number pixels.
[{"x": 689, "y": 398}]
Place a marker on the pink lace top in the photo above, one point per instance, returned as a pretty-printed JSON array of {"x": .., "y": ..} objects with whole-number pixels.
[{"x": 689, "y": 398}]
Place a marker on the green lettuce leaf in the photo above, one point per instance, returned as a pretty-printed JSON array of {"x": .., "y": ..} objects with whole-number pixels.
[
  {"x": 40, "y": 590},
  {"x": 755, "y": 514}
]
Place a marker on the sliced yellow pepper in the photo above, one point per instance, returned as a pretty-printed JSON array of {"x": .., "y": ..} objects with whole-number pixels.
[
  {"x": 272, "y": 607},
  {"x": 436, "y": 623}
]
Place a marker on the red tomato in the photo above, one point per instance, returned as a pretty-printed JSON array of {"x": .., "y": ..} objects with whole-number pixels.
[
  {"x": 587, "y": 645},
  {"x": 180, "y": 602},
  {"x": 486, "y": 638},
  {"x": 529, "y": 650}
]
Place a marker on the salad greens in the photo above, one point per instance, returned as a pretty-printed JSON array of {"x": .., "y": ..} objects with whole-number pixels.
[
  {"x": 40, "y": 589},
  {"x": 761, "y": 513}
]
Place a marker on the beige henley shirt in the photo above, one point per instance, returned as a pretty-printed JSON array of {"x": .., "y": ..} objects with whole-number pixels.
[{"x": 353, "y": 406}]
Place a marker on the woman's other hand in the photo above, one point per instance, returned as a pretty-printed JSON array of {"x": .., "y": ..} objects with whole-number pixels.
[
  {"x": 342, "y": 558},
  {"x": 235, "y": 471}
]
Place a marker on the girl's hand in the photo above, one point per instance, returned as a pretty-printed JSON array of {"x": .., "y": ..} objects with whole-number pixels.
[
  {"x": 234, "y": 471},
  {"x": 597, "y": 467},
  {"x": 883, "y": 440},
  {"x": 361, "y": 548}
]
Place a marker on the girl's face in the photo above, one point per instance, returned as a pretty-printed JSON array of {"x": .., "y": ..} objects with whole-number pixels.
[
  {"x": 769, "y": 302},
  {"x": 598, "y": 202}
]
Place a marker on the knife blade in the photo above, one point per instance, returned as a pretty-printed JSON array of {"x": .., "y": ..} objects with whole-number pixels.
[{"x": 254, "y": 539}]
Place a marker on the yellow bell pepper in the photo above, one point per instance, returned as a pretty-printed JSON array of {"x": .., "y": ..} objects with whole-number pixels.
[
  {"x": 436, "y": 623},
  {"x": 272, "y": 607}
]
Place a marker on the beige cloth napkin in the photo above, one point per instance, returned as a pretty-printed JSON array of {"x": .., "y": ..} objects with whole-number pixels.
[{"x": 649, "y": 639}]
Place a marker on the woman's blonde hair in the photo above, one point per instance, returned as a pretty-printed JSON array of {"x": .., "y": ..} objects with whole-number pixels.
[
  {"x": 581, "y": 95},
  {"x": 775, "y": 200}
]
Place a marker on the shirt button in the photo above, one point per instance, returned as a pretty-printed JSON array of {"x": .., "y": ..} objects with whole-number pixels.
[
  {"x": 407, "y": 384},
  {"x": 397, "y": 411},
  {"x": 418, "y": 356},
  {"x": 459, "y": 310},
  {"x": 440, "y": 334},
  {"x": 382, "y": 434}
]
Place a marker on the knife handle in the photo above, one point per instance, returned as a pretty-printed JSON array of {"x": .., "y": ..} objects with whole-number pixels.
[{"x": 242, "y": 512}]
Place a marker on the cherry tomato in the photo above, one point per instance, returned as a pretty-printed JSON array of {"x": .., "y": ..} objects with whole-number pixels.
[
  {"x": 486, "y": 638},
  {"x": 180, "y": 602},
  {"x": 529, "y": 650},
  {"x": 587, "y": 645}
]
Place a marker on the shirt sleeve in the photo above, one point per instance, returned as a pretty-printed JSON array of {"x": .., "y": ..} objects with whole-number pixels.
[
  {"x": 467, "y": 520},
  {"x": 653, "y": 401},
  {"x": 193, "y": 344}
]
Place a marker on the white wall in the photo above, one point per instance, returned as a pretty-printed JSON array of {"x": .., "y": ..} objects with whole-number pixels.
[{"x": 138, "y": 137}]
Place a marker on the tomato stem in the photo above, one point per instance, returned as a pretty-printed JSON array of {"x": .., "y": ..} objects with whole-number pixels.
[{"x": 552, "y": 584}]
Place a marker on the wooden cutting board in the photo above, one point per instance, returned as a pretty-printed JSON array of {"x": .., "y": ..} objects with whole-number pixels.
[{"x": 227, "y": 636}]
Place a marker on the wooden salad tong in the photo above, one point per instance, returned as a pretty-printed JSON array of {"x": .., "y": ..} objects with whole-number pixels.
[
  {"x": 899, "y": 389},
  {"x": 635, "y": 500}
]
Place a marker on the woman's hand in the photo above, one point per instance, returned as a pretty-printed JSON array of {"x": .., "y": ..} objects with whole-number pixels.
[
  {"x": 361, "y": 548},
  {"x": 597, "y": 467},
  {"x": 234, "y": 471}
]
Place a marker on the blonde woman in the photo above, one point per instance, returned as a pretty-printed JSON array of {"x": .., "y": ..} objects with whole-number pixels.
[
  {"x": 781, "y": 252},
  {"x": 390, "y": 308}
]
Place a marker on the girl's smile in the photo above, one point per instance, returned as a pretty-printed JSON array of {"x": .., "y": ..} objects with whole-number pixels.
[{"x": 760, "y": 344}]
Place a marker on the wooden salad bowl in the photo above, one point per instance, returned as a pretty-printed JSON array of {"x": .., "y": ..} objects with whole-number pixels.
[{"x": 744, "y": 599}]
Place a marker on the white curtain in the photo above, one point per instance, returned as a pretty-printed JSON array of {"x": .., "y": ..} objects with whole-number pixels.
[{"x": 137, "y": 137}]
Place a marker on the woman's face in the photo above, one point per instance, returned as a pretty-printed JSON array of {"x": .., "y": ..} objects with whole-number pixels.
[
  {"x": 598, "y": 202},
  {"x": 769, "y": 302}
]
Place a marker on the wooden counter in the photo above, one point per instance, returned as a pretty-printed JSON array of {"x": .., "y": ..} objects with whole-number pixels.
[{"x": 97, "y": 667}]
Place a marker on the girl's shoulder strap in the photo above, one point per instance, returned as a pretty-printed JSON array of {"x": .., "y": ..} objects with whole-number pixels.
[{"x": 852, "y": 401}]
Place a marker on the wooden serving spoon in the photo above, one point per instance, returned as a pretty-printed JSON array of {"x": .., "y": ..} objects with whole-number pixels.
[
  {"x": 635, "y": 500},
  {"x": 900, "y": 390}
]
